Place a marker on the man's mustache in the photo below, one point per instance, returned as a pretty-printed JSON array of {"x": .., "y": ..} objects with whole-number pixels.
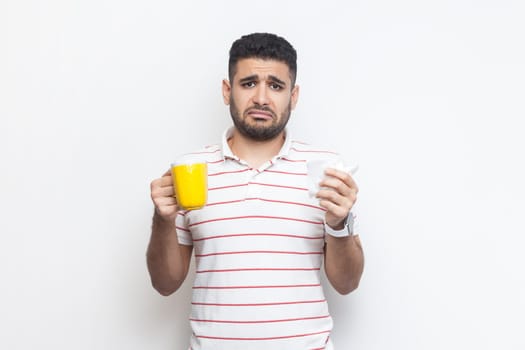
[{"x": 260, "y": 108}]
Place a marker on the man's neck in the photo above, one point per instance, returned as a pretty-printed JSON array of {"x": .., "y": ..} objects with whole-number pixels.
[{"x": 255, "y": 153}]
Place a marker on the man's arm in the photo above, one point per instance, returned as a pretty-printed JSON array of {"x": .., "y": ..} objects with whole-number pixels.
[
  {"x": 344, "y": 258},
  {"x": 344, "y": 262},
  {"x": 168, "y": 261}
]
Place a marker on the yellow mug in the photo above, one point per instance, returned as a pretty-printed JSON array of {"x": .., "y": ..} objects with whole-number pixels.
[{"x": 190, "y": 182}]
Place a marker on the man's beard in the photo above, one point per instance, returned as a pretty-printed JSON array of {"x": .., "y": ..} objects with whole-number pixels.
[{"x": 259, "y": 132}]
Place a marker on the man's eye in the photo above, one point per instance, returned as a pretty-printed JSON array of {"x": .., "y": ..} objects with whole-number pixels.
[
  {"x": 249, "y": 84},
  {"x": 275, "y": 86}
]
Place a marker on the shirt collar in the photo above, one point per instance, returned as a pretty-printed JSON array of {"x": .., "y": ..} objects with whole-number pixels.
[{"x": 227, "y": 152}]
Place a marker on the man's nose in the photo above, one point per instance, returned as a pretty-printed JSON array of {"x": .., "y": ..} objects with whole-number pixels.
[{"x": 261, "y": 95}]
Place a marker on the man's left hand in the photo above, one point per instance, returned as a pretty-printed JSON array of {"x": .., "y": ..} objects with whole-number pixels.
[{"x": 337, "y": 195}]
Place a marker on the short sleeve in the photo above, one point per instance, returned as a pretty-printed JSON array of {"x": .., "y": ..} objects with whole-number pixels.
[{"x": 183, "y": 232}]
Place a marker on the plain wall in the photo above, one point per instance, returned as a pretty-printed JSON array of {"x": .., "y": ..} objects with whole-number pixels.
[{"x": 97, "y": 97}]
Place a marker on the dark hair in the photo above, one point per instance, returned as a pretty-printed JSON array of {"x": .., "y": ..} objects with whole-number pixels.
[{"x": 265, "y": 46}]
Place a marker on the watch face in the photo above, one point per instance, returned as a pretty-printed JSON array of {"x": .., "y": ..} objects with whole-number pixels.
[{"x": 350, "y": 223}]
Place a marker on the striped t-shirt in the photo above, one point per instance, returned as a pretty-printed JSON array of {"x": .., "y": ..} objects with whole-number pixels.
[{"x": 258, "y": 247}]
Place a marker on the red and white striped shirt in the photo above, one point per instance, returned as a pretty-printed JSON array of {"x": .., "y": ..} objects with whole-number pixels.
[{"x": 258, "y": 247}]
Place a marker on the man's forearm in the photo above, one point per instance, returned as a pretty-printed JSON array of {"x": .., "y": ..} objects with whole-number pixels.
[
  {"x": 344, "y": 262},
  {"x": 167, "y": 260}
]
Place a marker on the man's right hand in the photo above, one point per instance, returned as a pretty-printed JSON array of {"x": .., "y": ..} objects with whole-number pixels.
[
  {"x": 163, "y": 197},
  {"x": 168, "y": 261}
]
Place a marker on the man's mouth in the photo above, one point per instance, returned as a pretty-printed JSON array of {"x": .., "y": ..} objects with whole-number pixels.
[{"x": 260, "y": 114}]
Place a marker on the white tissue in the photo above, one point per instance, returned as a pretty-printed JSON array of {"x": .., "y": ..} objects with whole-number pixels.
[{"x": 316, "y": 169}]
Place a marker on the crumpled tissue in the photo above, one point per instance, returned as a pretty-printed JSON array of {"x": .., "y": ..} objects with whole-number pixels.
[{"x": 316, "y": 169}]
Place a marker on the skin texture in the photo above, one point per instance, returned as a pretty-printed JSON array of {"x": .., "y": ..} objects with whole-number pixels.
[{"x": 261, "y": 98}]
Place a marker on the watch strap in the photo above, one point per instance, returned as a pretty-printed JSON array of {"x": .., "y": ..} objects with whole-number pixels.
[{"x": 347, "y": 230}]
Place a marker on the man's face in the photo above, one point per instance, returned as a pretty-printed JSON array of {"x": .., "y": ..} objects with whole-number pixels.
[{"x": 261, "y": 98}]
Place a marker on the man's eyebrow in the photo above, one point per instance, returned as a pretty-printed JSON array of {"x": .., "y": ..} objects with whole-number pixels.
[
  {"x": 249, "y": 78},
  {"x": 255, "y": 77},
  {"x": 277, "y": 80}
]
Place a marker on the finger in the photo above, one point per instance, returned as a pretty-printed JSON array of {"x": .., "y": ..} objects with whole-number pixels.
[
  {"x": 165, "y": 205},
  {"x": 166, "y": 210},
  {"x": 164, "y": 181},
  {"x": 163, "y": 192},
  {"x": 162, "y": 187},
  {"x": 343, "y": 176},
  {"x": 165, "y": 201},
  {"x": 337, "y": 211},
  {"x": 167, "y": 179},
  {"x": 328, "y": 194},
  {"x": 344, "y": 201},
  {"x": 338, "y": 185}
]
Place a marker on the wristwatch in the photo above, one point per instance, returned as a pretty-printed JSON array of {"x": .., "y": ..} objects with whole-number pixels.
[{"x": 347, "y": 230}]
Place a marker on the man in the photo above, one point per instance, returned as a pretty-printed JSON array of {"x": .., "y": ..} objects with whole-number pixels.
[{"x": 260, "y": 240}]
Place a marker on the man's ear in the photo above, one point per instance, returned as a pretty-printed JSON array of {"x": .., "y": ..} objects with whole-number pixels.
[
  {"x": 226, "y": 91},
  {"x": 295, "y": 95}
]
